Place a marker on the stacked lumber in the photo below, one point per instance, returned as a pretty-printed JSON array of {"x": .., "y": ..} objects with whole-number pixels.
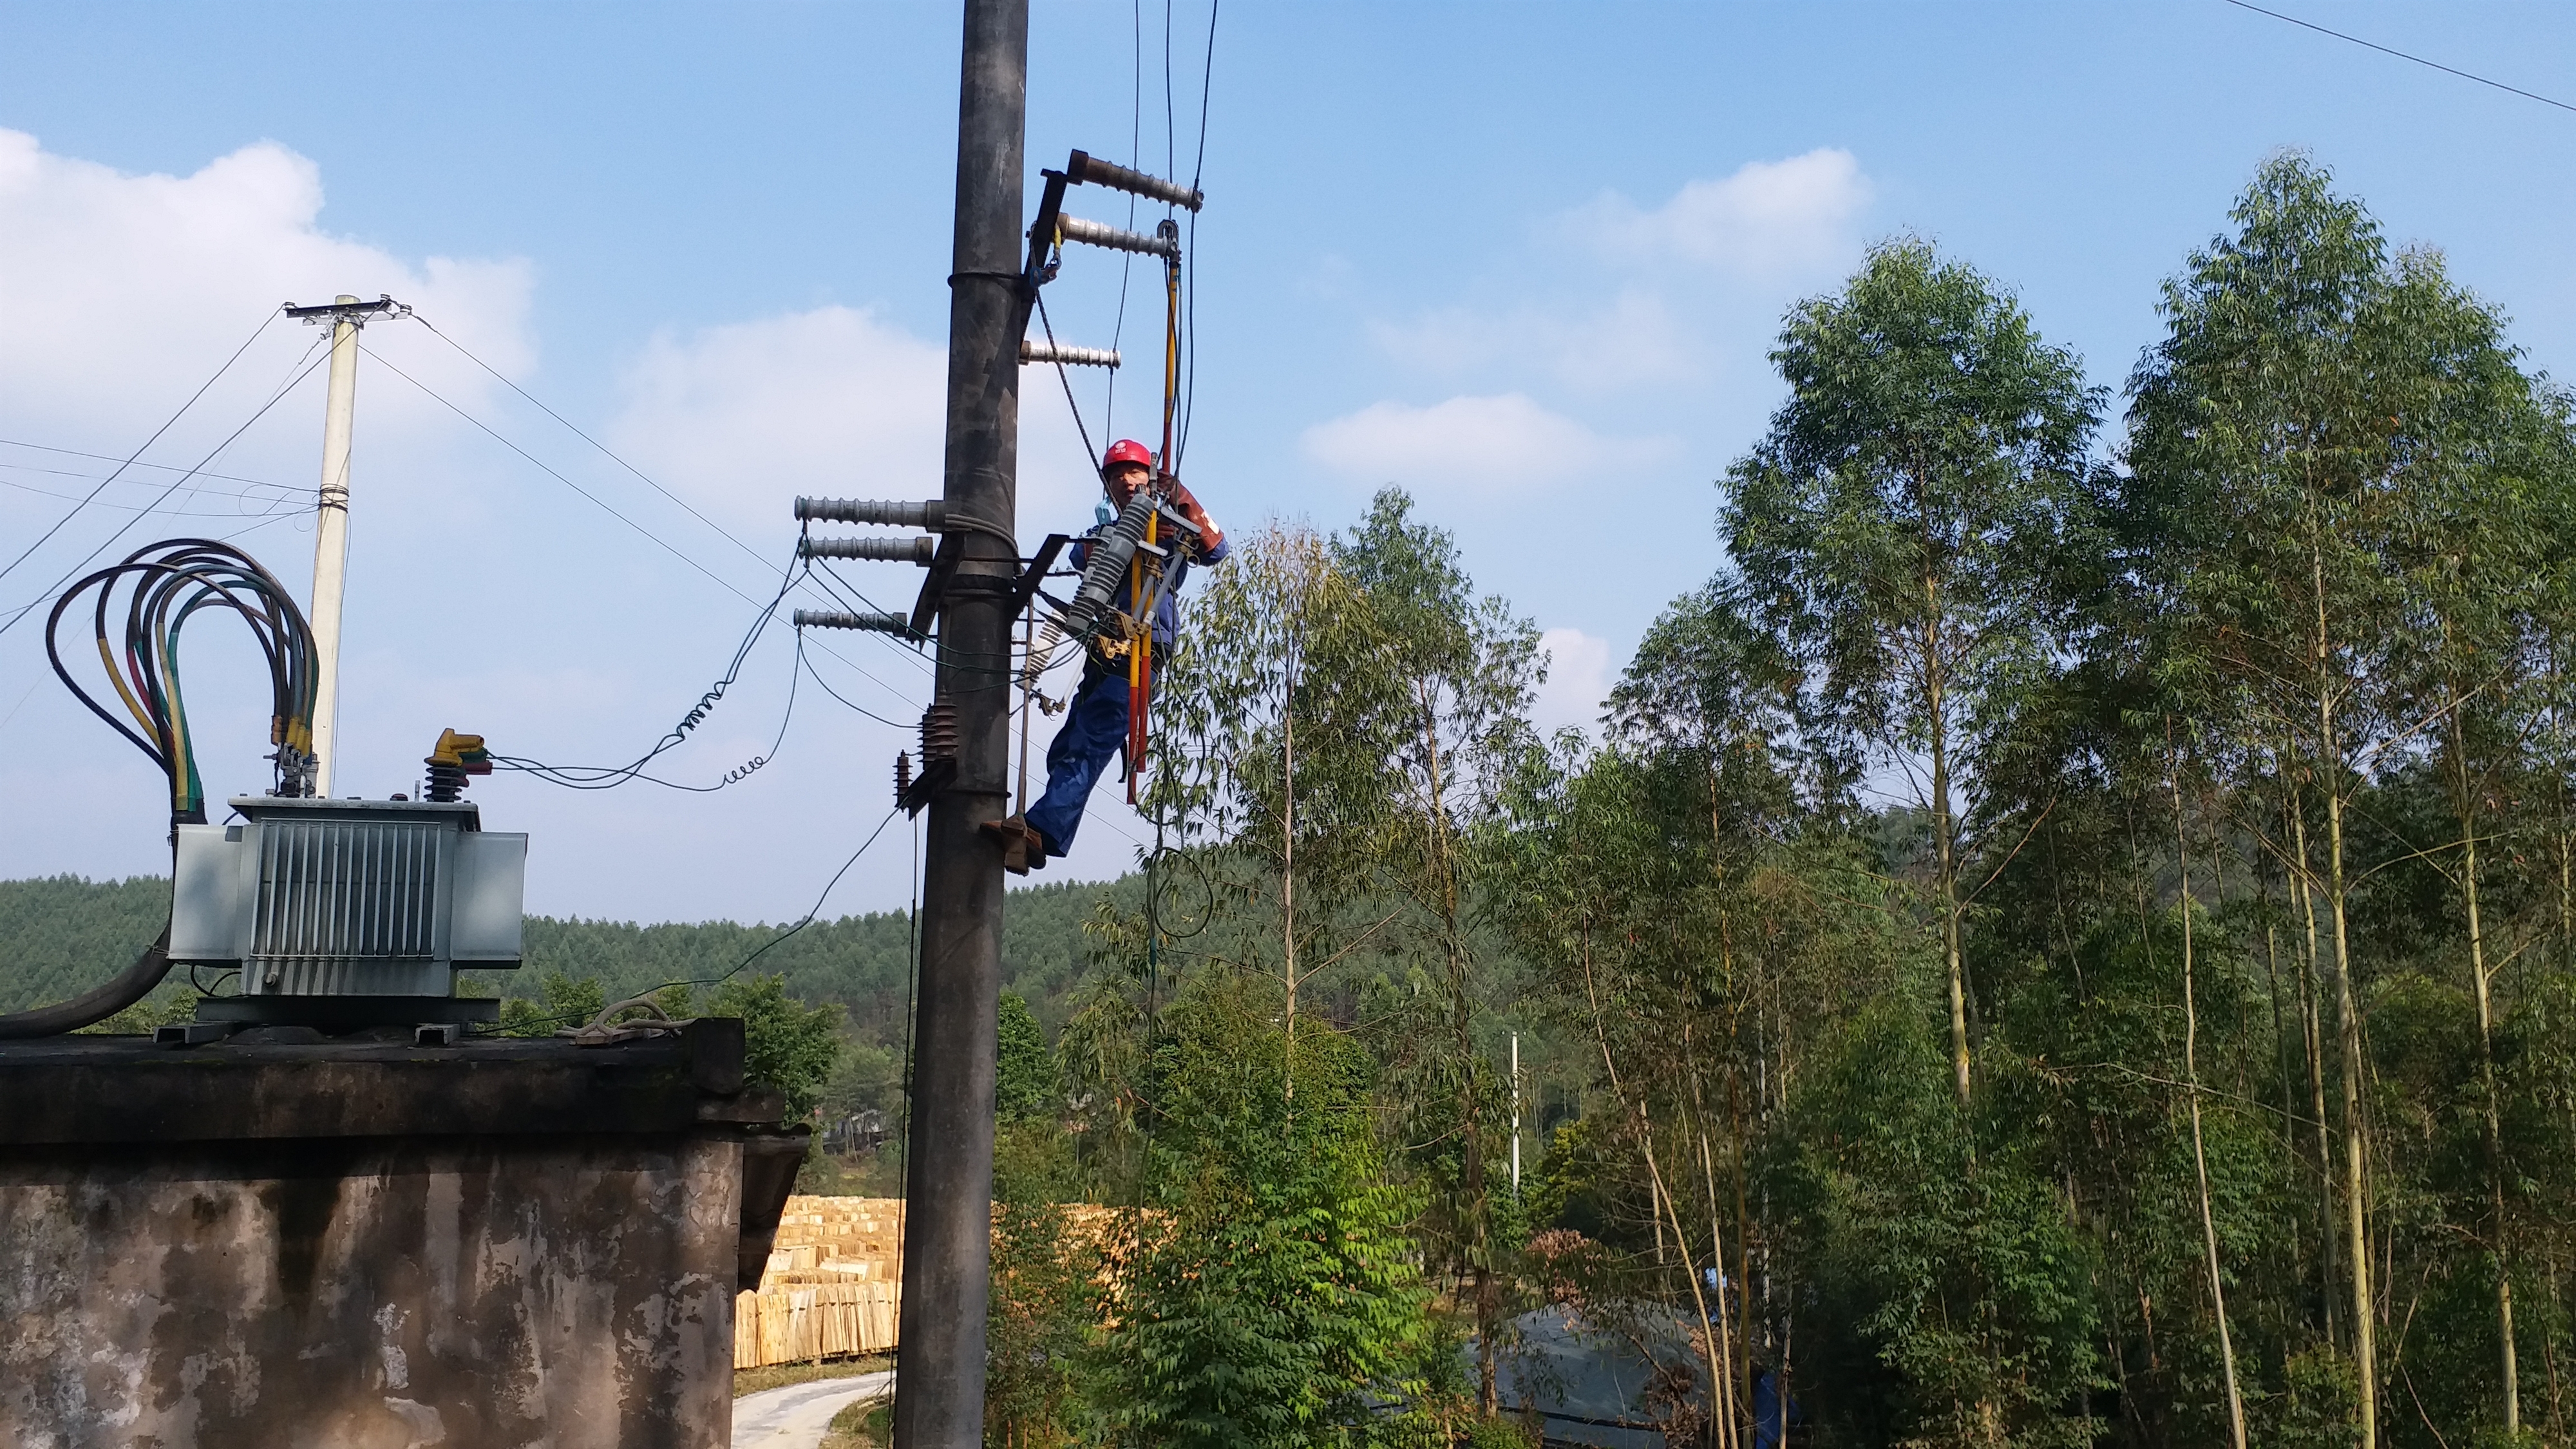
[
  {"x": 832, "y": 1286},
  {"x": 836, "y": 1240},
  {"x": 799, "y": 1325}
]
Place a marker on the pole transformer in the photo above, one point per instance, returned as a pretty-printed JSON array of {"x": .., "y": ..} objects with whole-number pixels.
[{"x": 947, "y": 1241}]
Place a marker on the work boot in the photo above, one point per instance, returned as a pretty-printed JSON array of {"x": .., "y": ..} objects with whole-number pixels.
[{"x": 1019, "y": 844}]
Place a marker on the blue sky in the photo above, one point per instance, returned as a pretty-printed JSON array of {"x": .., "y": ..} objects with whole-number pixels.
[{"x": 1524, "y": 259}]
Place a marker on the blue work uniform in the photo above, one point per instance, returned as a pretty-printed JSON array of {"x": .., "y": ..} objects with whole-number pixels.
[{"x": 1095, "y": 725}]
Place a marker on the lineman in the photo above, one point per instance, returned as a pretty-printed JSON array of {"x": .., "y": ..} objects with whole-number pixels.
[{"x": 1095, "y": 727}]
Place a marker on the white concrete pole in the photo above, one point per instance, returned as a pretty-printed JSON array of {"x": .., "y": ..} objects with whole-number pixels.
[
  {"x": 1516, "y": 1114},
  {"x": 331, "y": 541}
]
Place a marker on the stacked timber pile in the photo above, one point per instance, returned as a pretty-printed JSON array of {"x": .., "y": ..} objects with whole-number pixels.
[{"x": 833, "y": 1286}]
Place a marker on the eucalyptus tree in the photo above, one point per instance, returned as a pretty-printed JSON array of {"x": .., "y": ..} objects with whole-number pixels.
[
  {"x": 2282, "y": 436},
  {"x": 1900, "y": 527},
  {"x": 1277, "y": 701},
  {"x": 1593, "y": 893},
  {"x": 1710, "y": 714},
  {"x": 1448, "y": 676},
  {"x": 2484, "y": 545}
]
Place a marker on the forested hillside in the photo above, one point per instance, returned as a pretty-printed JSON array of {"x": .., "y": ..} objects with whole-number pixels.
[{"x": 65, "y": 934}]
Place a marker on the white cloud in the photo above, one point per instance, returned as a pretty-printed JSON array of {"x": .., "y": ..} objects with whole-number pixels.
[
  {"x": 1634, "y": 338},
  {"x": 1492, "y": 444},
  {"x": 1578, "y": 680},
  {"x": 1691, "y": 290},
  {"x": 1767, "y": 220},
  {"x": 835, "y": 401},
  {"x": 738, "y": 417},
  {"x": 123, "y": 292}
]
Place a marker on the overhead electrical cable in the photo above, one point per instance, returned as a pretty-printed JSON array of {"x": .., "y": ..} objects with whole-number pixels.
[
  {"x": 606, "y": 777},
  {"x": 155, "y": 467},
  {"x": 845, "y": 702},
  {"x": 2402, "y": 55},
  {"x": 658, "y": 541},
  {"x": 274, "y": 398},
  {"x": 596, "y": 501},
  {"x": 277, "y": 505},
  {"x": 1066, "y": 379},
  {"x": 575, "y": 429},
  {"x": 1190, "y": 303},
  {"x": 522, "y": 1026},
  {"x": 138, "y": 452},
  {"x": 1135, "y": 148},
  {"x": 807, "y": 920}
]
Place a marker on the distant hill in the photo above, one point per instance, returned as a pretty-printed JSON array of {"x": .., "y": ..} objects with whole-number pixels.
[{"x": 62, "y": 934}]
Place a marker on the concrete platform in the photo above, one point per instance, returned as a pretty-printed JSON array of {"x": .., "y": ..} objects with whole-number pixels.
[{"x": 283, "y": 1240}]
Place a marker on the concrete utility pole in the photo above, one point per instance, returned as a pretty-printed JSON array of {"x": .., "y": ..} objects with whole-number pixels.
[
  {"x": 331, "y": 541},
  {"x": 948, "y": 1227},
  {"x": 346, "y": 314},
  {"x": 1516, "y": 1114}
]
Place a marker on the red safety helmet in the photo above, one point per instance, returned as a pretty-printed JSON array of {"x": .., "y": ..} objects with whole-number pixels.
[{"x": 1128, "y": 450}]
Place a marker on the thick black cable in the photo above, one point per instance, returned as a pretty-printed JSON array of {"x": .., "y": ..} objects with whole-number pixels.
[
  {"x": 846, "y": 704},
  {"x": 2402, "y": 55},
  {"x": 808, "y": 920},
  {"x": 1088, "y": 450},
  {"x": 173, "y": 422},
  {"x": 606, "y": 777},
  {"x": 98, "y": 1003}
]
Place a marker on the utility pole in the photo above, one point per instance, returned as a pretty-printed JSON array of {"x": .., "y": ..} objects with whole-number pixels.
[
  {"x": 947, "y": 1241},
  {"x": 1516, "y": 1114},
  {"x": 345, "y": 314}
]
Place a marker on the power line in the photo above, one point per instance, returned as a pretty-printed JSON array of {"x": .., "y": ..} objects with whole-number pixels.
[
  {"x": 594, "y": 498},
  {"x": 156, "y": 467},
  {"x": 685, "y": 506},
  {"x": 658, "y": 541},
  {"x": 844, "y": 700},
  {"x": 2402, "y": 55},
  {"x": 289, "y": 504},
  {"x": 1190, "y": 305},
  {"x": 274, "y": 399},
  {"x": 138, "y": 452},
  {"x": 604, "y": 777},
  {"x": 594, "y": 442}
]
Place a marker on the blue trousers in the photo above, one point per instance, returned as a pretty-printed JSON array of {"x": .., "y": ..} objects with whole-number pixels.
[{"x": 1095, "y": 728}]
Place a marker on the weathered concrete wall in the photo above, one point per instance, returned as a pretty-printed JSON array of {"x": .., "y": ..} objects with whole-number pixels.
[
  {"x": 529, "y": 1286},
  {"x": 339, "y": 1294}
]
